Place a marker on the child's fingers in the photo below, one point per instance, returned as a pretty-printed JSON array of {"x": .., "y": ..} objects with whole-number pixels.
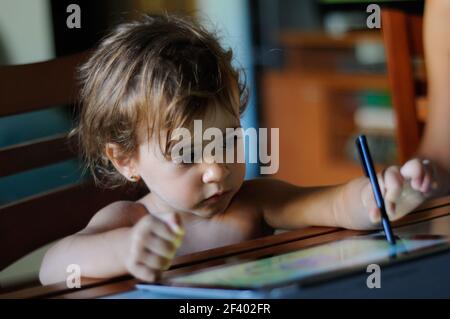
[
  {"x": 167, "y": 232},
  {"x": 141, "y": 231},
  {"x": 177, "y": 222},
  {"x": 150, "y": 224},
  {"x": 393, "y": 183},
  {"x": 374, "y": 214},
  {"x": 391, "y": 210},
  {"x": 142, "y": 272},
  {"x": 174, "y": 221},
  {"x": 154, "y": 261},
  {"x": 426, "y": 184},
  {"x": 369, "y": 203},
  {"x": 162, "y": 247},
  {"x": 415, "y": 171},
  {"x": 429, "y": 177},
  {"x": 421, "y": 174}
]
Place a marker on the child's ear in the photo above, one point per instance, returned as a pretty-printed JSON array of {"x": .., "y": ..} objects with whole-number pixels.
[{"x": 124, "y": 164}]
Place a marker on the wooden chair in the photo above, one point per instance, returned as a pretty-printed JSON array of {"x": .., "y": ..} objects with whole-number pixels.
[
  {"x": 402, "y": 34},
  {"x": 28, "y": 224}
]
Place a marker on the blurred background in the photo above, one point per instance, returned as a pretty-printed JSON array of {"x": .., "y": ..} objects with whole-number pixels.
[
  {"x": 314, "y": 70},
  {"x": 313, "y": 67}
]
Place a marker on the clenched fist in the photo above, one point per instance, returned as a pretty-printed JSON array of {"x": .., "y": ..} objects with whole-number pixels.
[{"x": 153, "y": 244}]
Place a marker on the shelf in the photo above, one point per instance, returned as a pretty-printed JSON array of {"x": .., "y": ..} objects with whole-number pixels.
[
  {"x": 343, "y": 81},
  {"x": 323, "y": 40}
]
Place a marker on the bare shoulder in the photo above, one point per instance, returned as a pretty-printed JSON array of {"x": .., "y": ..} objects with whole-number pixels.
[{"x": 115, "y": 215}]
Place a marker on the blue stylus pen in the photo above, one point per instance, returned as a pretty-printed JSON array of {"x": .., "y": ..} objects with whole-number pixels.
[{"x": 367, "y": 164}]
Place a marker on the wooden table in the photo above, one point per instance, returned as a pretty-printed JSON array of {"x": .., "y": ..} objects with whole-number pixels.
[{"x": 275, "y": 244}]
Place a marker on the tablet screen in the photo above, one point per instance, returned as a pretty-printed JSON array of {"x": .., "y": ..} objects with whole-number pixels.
[{"x": 308, "y": 262}]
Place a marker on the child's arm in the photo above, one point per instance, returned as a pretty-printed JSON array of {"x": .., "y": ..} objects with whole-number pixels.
[
  {"x": 349, "y": 205},
  {"x": 287, "y": 206},
  {"x": 112, "y": 245}
]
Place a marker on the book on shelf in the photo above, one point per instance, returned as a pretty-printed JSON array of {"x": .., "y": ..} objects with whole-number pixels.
[{"x": 375, "y": 118}]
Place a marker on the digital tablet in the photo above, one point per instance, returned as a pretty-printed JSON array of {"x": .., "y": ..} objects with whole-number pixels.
[{"x": 313, "y": 264}]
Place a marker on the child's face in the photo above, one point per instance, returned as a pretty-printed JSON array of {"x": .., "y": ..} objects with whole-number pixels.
[{"x": 187, "y": 187}]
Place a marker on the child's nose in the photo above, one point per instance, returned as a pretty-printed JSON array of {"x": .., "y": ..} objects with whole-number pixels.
[{"x": 215, "y": 172}]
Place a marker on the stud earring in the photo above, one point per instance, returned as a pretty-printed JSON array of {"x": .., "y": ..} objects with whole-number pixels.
[{"x": 135, "y": 178}]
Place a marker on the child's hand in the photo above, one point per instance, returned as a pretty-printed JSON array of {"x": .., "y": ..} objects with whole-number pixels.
[
  {"x": 153, "y": 245},
  {"x": 403, "y": 189}
]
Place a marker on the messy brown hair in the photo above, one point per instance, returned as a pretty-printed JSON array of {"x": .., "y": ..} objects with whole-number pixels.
[{"x": 161, "y": 71}]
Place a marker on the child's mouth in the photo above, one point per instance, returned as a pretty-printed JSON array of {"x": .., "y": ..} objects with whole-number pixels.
[{"x": 216, "y": 197}]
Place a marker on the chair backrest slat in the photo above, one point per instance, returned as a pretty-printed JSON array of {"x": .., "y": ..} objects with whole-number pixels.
[
  {"x": 31, "y": 87},
  {"x": 34, "y": 154}
]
